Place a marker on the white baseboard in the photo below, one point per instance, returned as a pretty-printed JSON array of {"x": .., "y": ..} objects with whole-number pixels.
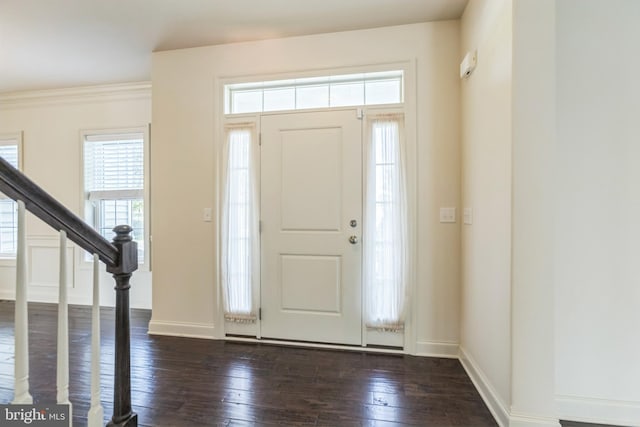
[
  {"x": 8, "y": 294},
  {"x": 49, "y": 296},
  {"x": 496, "y": 406},
  {"x": 598, "y": 411},
  {"x": 522, "y": 420},
  {"x": 437, "y": 349},
  {"x": 182, "y": 329}
]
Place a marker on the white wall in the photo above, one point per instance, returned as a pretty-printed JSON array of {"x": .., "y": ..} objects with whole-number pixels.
[
  {"x": 597, "y": 268},
  {"x": 574, "y": 274},
  {"x": 51, "y": 122},
  {"x": 486, "y": 188},
  {"x": 533, "y": 109},
  {"x": 186, "y": 143}
]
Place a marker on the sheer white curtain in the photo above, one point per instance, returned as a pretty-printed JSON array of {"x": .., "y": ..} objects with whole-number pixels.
[
  {"x": 385, "y": 228},
  {"x": 239, "y": 224}
]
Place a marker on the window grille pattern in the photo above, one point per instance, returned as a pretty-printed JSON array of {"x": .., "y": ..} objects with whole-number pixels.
[{"x": 315, "y": 92}]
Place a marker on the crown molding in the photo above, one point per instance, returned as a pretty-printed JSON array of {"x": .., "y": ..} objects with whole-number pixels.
[{"x": 99, "y": 93}]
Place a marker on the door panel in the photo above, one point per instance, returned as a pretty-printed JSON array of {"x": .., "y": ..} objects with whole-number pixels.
[
  {"x": 305, "y": 275},
  {"x": 311, "y": 179},
  {"x": 311, "y": 190}
]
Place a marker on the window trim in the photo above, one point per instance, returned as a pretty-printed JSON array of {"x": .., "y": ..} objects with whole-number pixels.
[
  {"x": 106, "y": 134},
  {"x": 410, "y": 109},
  {"x": 329, "y": 81},
  {"x": 252, "y": 120},
  {"x": 18, "y": 137},
  {"x": 406, "y": 67},
  {"x": 408, "y": 338}
]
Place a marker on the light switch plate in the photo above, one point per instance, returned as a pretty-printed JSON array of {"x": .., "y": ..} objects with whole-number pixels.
[
  {"x": 468, "y": 216},
  {"x": 206, "y": 214},
  {"x": 448, "y": 215}
]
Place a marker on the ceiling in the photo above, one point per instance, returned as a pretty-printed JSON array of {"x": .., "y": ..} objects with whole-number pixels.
[{"x": 47, "y": 44}]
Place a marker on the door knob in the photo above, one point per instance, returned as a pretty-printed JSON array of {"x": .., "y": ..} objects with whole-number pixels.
[{"x": 353, "y": 239}]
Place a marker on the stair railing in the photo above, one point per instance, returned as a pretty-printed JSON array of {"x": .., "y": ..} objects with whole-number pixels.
[{"x": 121, "y": 259}]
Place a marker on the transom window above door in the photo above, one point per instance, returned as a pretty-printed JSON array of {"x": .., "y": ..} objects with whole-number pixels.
[{"x": 386, "y": 87}]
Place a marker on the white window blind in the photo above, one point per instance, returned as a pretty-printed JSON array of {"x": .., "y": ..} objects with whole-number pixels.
[
  {"x": 114, "y": 166},
  {"x": 8, "y": 214},
  {"x": 9, "y": 151},
  {"x": 240, "y": 242},
  {"x": 114, "y": 183},
  {"x": 386, "y": 218}
]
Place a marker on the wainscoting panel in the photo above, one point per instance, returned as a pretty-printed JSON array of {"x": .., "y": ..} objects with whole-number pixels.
[{"x": 43, "y": 258}]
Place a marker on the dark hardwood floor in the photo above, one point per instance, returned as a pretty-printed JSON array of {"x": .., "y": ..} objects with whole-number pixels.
[{"x": 191, "y": 382}]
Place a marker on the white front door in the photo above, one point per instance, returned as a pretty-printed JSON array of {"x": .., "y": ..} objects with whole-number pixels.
[{"x": 311, "y": 212}]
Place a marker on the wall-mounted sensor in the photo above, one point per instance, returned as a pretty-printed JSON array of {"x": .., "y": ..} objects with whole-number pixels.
[{"x": 468, "y": 64}]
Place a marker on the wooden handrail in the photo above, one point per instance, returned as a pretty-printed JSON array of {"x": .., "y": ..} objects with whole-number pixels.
[
  {"x": 121, "y": 258},
  {"x": 17, "y": 186}
]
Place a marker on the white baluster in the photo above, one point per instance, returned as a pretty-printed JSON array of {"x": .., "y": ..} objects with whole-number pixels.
[
  {"x": 62, "y": 380},
  {"x": 96, "y": 412},
  {"x": 21, "y": 335}
]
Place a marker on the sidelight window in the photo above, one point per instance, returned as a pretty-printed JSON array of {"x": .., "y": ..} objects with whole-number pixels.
[
  {"x": 240, "y": 240},
  {"x": 385, "y": 239}
]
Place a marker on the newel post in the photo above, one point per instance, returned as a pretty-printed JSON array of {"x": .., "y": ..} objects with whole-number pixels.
[{"x": 123, "y": 416}]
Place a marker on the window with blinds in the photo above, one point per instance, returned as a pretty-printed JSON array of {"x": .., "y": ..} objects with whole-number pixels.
[
  {"x": 114, "y": 183},
  {"x": 9, "y": 150}
]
